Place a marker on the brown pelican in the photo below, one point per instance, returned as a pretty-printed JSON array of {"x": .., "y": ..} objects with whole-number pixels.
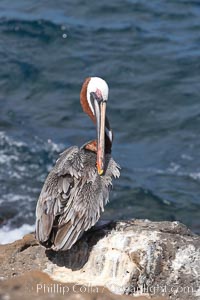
[{"x": 77, "y": 188}]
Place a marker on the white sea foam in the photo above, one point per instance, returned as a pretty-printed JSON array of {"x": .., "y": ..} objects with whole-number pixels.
[
  {"x": 16, "y": 197},
  {"x": 6, "y": 159},
  {"x": 8, "y": 235},
  {"x": 195, "y": 176}
]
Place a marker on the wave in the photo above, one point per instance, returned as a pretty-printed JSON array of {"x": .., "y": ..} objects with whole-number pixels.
[
  {"x": 23, "y": 168},
  {"x": 48, "y": 30},
  {"x": 173, "y": 170}
]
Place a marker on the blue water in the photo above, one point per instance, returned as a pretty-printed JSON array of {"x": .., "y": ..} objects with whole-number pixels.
[{"x": 149, "y": 53}]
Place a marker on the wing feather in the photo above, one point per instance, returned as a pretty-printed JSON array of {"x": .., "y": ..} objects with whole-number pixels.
[{"x": 56, "y": 192}]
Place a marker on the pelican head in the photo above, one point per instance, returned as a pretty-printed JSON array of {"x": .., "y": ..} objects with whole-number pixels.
[
  {"x": 99, "y": 89},
  {"x": 94, "y": 104}
]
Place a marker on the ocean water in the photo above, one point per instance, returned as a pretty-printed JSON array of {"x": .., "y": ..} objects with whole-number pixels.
[{"x": 148, "y": 52}]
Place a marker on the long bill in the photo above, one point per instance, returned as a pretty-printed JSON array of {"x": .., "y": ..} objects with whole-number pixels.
[{"x": 100, "y": 109}]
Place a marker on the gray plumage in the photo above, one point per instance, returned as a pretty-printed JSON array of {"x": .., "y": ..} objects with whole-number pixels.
[{"x": 73, "y": 197}]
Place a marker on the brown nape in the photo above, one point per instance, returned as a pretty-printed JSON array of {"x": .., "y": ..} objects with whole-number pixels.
[
  {"x": 84, "y": 102},
  {"x": 91, "y": 146}
]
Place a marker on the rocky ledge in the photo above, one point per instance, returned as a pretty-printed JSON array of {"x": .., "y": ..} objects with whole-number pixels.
[{"x": 137, "y": 257}]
